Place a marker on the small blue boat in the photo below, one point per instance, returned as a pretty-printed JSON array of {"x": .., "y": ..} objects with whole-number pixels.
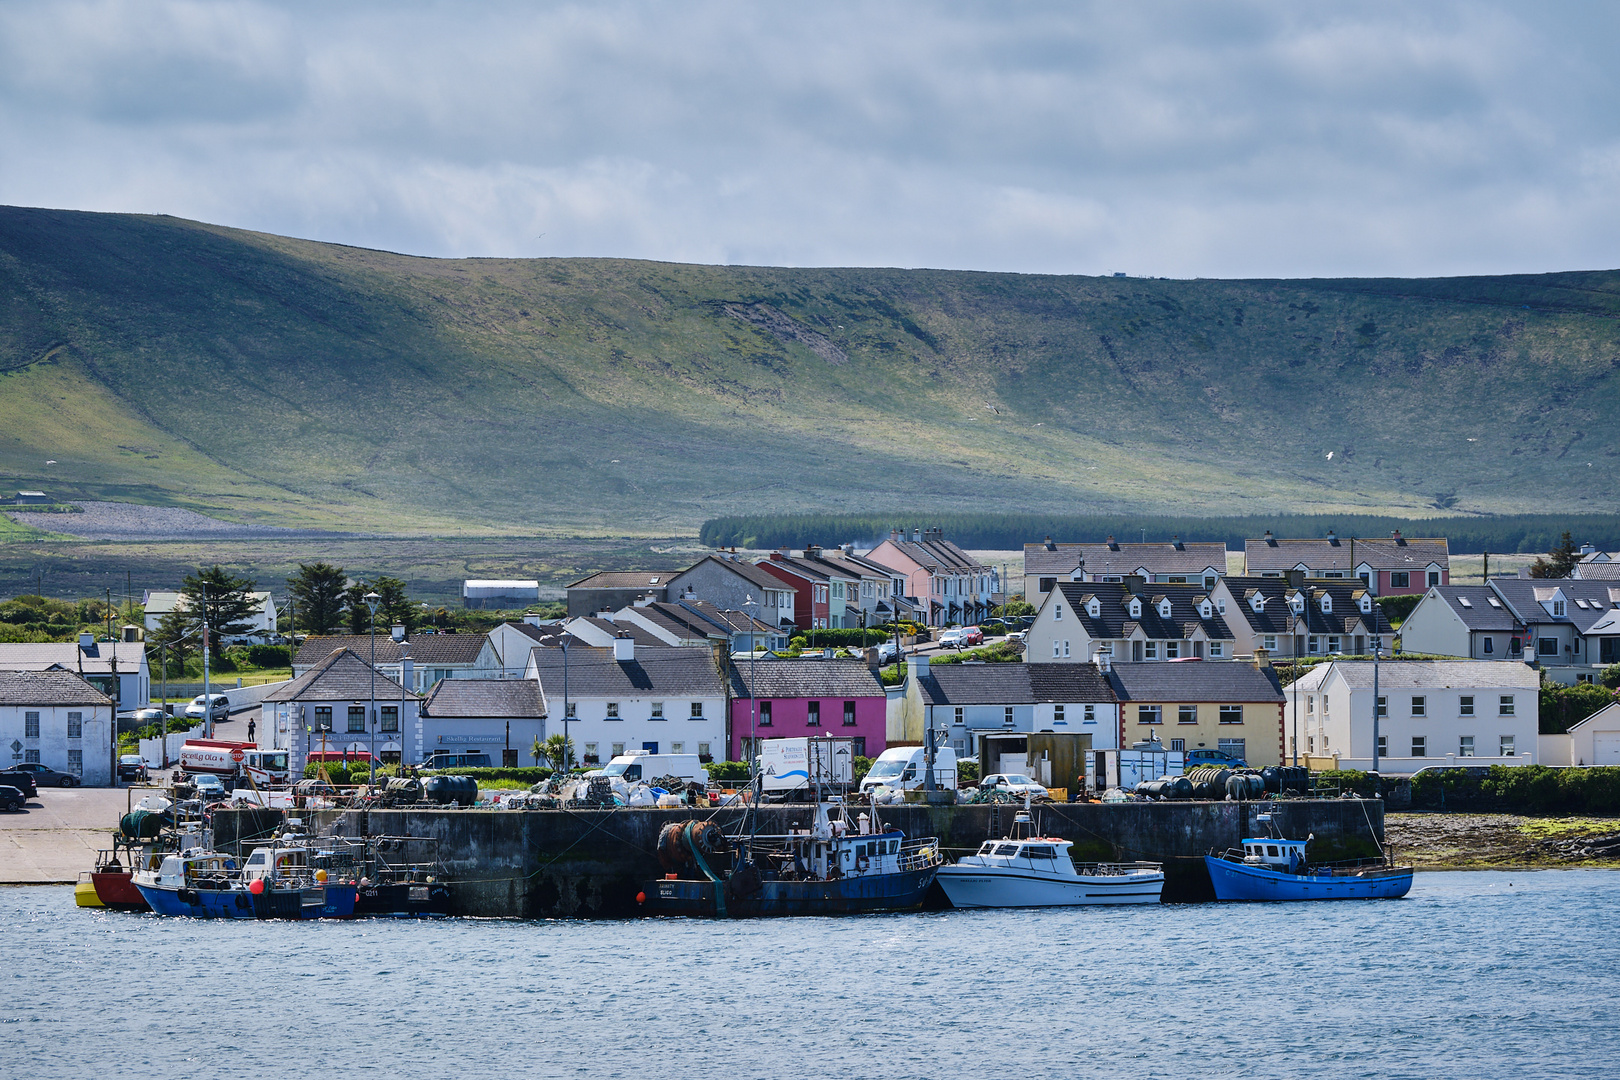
[
  {"x": 205, "y": 884},
  {"x": 1271, "y": 868}
]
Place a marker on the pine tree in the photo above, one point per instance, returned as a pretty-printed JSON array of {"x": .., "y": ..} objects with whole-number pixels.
[
  {"x": 318, "y": 593},
  {"x": 1560, "y": 561},
  {"x": 227, "y": 600},
  {"x": 393, "y": 606}
]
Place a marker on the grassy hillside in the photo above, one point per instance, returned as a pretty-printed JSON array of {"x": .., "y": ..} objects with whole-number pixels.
[{"x": 289, "y": 382}]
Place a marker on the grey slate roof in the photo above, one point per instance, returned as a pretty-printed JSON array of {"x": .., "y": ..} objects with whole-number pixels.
[
  {"x": 39, "y": 655},
  {"x": 1114, "y": 618},
  {"x": 549, "y": 634},
  {"x": 1196, "y": 681},
  {"x": 1110, "y": 559},
  {"x": 593, "y": 672},
  {"x": 747, "y": 571},
  {"x": 977, "y": 684},
  {"x": 939, "y": 555},
  {"x": 639, "y": 634},
  {"x": 1380, "y": 554},
  {"x": 1598, "y": 571},
  {"x": 425, "y": 648},
  {"x": 1439, "y": 674},
  {"x": 805, "y": 679},
  {"x": 1068, "y": 682},
  {"x": 342, "y": 676},
  {"x": 474, "y": 698},
  {"x": 1275, "y": 616},
  {"x": 1523, "y": 596},
  {"x": 48, "y": 688},
  {"x": 626, "y": 579},
  {"x": 1478, "y": 613}
]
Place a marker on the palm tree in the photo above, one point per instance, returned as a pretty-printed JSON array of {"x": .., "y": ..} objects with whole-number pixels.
[
  {"x": 538, "y": 750},
  {"x": 560, "y": 752}
]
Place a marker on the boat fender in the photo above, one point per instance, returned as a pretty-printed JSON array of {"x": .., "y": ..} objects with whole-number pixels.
[
  {"x": 641, "y": 898},
  {"x": 257, "y": 886}
]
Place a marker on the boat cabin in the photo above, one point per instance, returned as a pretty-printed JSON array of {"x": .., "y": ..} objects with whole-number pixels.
[
  {"x": 1285, "y": 855},
  {"x": 1034, "y": 853},
  {"x": 188, "y": 868},
  {"x": 880, "y": 854}
]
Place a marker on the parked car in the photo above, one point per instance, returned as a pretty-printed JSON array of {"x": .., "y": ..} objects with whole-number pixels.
[
  {"x": 201, "y": 705},
  {"x": 972, "y": 635},
  {"x": 11, "y": 798},
  {"x": 888, "y": 652},
  {"x": 210, "y": 788},
  {"x": 952, "y": 638},
  {"x": 1016, "y": 784},
  {"x": 1018, "y": 635},
  {"x": 150, "y": 715},
  {"x": 22, "y": 781},
  {"x": 45, "y": 776},
  {"x": 1219, "y": 758},
  {"x": 131, "y": 768}
]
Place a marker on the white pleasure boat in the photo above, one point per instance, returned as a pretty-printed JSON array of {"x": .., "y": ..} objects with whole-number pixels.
[{"x": 1036, "y": 871}]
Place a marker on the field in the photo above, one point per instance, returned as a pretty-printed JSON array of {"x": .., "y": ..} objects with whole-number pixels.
[{"x": 273, "y": 381}]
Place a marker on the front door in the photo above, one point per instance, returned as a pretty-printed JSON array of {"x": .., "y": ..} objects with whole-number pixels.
[{"x": 650, "y": 747}]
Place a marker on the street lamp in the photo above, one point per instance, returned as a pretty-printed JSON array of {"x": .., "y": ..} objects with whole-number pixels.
[
  {"x": 372, "y": 600},
  {"x": 567, "y": 746},
  {"x": 1376, "y": 651},
  {"x": 753, "y": 660}
]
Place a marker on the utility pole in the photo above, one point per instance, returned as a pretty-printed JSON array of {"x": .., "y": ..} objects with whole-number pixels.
[{"x": 1376, "y": 651}]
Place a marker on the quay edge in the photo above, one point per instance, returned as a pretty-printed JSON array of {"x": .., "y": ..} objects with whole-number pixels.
[{"x": 535, "y": 864}]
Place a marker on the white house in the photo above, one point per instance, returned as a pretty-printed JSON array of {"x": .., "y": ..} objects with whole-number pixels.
[
  {"x": 335, "y": 699},
  {"x": 1131, "y": 621},
  {"x": 432, "y": 656},
  {"x": 159, "y": 602},
  {"x": 1464, "y": 620},
  {"x": 116, "y": 668},
  {"x": 484, "y": 716},
  {"x": 1430, "y": 712},
  {"x": 1593, "y": 741},
  {"x": 964, "y": 700},
  {"x": 667, "y": 700},
  {"x": 57, "y": 719}
]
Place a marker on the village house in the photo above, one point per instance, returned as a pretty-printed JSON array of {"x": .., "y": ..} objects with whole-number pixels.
[
  {"x": 262, "y": 624},
  {"x": 1298, "y": 616},
  {"x": 731, "y": 584},
  {"x": 1175, "y": 563},
  {"x": 1464, "y": 620},
  {"x": 1566, "y": 626},
  {"x": 614, "y": 589},
  {"x": 116, "y": 668},
  {"x": 943, "y": 582},
  {"x": 341, "y": 703},
  {"x": 1393, "y": 567},
  {"x": 509, "y": 645},
  {"x": 666, "y": 700},
  {"x": 1131, "y": 621},
  {"x": 1236, "y": 708},
  {"x": 962, "y": 701},
  {"x": 1593, "y": 741},
  {"x": 825, "y": 595},
  {"x": 55, "y": 718},
  {"x": 433, "y": 656},
  {"x": 689, "y": 621},
  {"x": 498, "y": 717},
  {"x": 1430, "y": 712},
  {"x": 776, "y": 699}
]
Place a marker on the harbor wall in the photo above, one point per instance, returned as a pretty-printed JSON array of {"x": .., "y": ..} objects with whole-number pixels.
[{"x": 533, "y": 864}]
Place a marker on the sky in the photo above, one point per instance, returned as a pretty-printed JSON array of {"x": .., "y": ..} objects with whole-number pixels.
[{"x": 1176, "y": 139}]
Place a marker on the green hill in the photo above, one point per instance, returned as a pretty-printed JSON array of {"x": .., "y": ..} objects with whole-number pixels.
[{"x": 291, "y": 382}]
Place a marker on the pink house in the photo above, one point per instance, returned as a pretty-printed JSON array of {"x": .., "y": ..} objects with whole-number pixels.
[
  {"x": 1397, "y": 566},
  {"x": 773, "y": 699}
]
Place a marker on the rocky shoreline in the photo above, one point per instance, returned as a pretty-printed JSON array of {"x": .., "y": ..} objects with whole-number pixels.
[{"x": 1450, "y": 841}]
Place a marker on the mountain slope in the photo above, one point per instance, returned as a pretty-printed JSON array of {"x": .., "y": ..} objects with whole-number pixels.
[{"x": 293, "y": 382}]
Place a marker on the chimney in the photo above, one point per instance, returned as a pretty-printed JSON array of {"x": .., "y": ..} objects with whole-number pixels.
[
  {"x": 916, "y": 536},
  {"x": 531, "y": 618},
  {"x": 1049, "y": 545},
  {"x": 624, "y": 648},
  {"x": 645, "y": 599},
  {"x": 399, "y": 632},
  {"x": 87, "y": 642},
  {"x": 1396, "y": 536},
  {"x": 1334, "y": 540},
  {"x": 1296, "y": 579},
  {"x": 849, "y": 549},
  {"x": 131, "y": 632},
  {"x": 894, "y": 536},
  {"x": 407, "y": 669},
  {"x": 1271, "y": 541},
  {"x": 917, "y": 665},
  {"x": 1103, "y": 660},
  {"x": 811, "y": 551},
  {"x": 1112, "y": 545},
  {"x": 1262, "y": 659},
  {"x": 1133, "y": 584},
  {"x": 1175, "y": 542}
]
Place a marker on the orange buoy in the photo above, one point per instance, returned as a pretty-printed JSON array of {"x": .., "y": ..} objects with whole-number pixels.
[
  {"x": 257, "y": 886},
  {"x": 641, "y": 898}
]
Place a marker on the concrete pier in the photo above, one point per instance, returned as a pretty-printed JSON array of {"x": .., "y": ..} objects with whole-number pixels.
[{"x": 534, "y": 864}]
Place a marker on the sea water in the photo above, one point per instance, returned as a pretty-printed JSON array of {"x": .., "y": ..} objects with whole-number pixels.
[{"x": 1477, "y": 975}]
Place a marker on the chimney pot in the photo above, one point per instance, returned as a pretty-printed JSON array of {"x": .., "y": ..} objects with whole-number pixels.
[
  {"x": 87, "y": 641},
  {"x": 399, "y": 632},
  {"x": 624, "y": 648}
]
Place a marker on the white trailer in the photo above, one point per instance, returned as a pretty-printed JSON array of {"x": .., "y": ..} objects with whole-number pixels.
[
  {"x": 1127, "y": 768},
  {"x": 790, "y": 764}
]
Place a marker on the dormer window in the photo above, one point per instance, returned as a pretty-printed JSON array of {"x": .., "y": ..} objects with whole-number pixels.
[
  {"x": 1204, "y": 610},
  {"x": 1094, "y": 608},
  {"x": 1327, "y": 604},
  {"x": 1297, "y": 603},
  {"x": 1135, "y": 608},
  {"x": 1164, "y": 609},
  {"x": 1366, "y": 605},
  {"x": 1257, "y": 604}
]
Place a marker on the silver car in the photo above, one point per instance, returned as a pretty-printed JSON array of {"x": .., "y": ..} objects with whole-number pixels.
[{"x": 218, "y": 704}]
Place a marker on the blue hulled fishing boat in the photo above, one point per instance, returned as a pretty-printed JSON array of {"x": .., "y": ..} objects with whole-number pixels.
[{"x": 1272, "y": 868}]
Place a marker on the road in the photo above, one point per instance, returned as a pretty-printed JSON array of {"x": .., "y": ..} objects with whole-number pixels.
[{"x": 59, "y": 834}]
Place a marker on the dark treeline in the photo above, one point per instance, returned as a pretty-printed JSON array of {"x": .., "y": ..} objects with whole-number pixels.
[{"x": 1520, "y": 533}]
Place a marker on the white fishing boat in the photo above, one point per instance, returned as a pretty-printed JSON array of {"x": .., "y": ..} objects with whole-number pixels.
[{"x": 1037, "y": 871}]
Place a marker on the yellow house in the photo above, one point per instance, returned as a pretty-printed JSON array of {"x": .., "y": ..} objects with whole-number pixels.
[{"x": 1233, "y": 706}]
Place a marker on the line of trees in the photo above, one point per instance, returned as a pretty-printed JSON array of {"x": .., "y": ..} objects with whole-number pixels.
[
  {"x": 325, "y": 601},
  {"x": 1506, "y": 534}
]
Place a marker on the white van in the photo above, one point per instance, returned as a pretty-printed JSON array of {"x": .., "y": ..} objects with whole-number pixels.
[
  {"x": 905, "y": 766},
  {"x": 636, "y": 766}
]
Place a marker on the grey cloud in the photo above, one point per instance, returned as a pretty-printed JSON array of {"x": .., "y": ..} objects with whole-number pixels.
[{"x": 1180, "y": 139}]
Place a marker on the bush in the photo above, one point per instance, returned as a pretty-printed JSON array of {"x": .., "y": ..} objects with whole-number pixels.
[
  {"x": 1611, "y": 676},
  {"x": 523, "y": 774},
  {"x": 1397, "y": 608},
  {"x": 967, "y": 772},
  {"x": 830, "y": 639},
  {"x": 1002, "y": 652},
  {"x": 728, "y": 772},
  {"x": 261, "y": 656},
  {"x": 1523, "y": 789},
  {"x": 893, "y": 675},
  {"x": 1349, "y": 780},
  {"x": 1562, "y": 707}
]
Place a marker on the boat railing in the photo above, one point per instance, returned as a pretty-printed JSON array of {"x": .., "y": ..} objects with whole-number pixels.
[
  {"x": 1117, "y": 869},
  {"x": 920, "y": 854}
]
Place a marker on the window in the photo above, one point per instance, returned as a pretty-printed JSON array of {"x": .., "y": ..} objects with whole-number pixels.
[
  {"x": 31, "y": 757},
  {"x": 657, "y": 710},
  {"x": 1465, "y": 707},
  {"x": 1149, "y": 714},
  {"x": 813, "y": 719},
  {"x": 1187, "y": 714},
  {"x": 591, "y": 757},
  {"x": 1383, "y": 706},
  {"x": 1269, "y": 643},
  {"x": 1047, "y": 584},
  {"x": 323, "y": 718},
  {"x": 1310, "y": 744},
  {"x": 76, "y": 762},
  {"x": 357, "y": 718},
  {"x": 1515, "y": 646},
  {"x": 1057, "y": 649},
  {"x": 697, "y": 710},
  {"x": 30, "y": 725},
  {"x": 390, "y": 719},
  {"x": 1091, "y": 714},
  {"x": 1313, "y": 644},
  {"x": 1420, "y": 746},
  {"x": 1217, "y": 649},
  {"x": 573, "y": 710},
  {"x": 1178, "y": 745},
  {"x": 1172, "y": 650},
  {"x": 1057, "y": 612},
  {"x": 1400, "y": 579},
  {"x": 1490, "y": 644},
  {"x": 1434, "y": 577},
  {"x": 1547, "y": 646},
  {"x": 1007, "y": 716},
  {"x": 613, "y": 710},
  {"x": 1233, "y": 714},
  {"x": 1465, "y": 746},
  {"x": 1383, "y": 746},
  {"x": 1333, "y": 644},
  {"x": 1558, "y": 608},
  {"x": 677, "y": 748},
  {"x": 1235, "y": 747},
  {"x": 617, "y": 749},
  {"x": 1057, "y": 714},
  {"x": 849, "y": 714},
  {"x": 1151, "y": 650},
  {"x": 1065, "y": 647},
  {"x": 703, "y": 753},
  {"x": 1504, "y": 707},
  {"x": 764, "y": 714},
  {"x": 1310, "y": 705},
  {"x": 1419, "y": 705},
  {"x": 75, "y": 725},
  {"x": 1507, "y": 746},
  {"x": 959, "y": 718}
]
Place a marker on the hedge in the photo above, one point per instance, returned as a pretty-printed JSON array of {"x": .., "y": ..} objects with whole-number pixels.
[
  {"x": 1002, "y": 652},
  {"x": 1523, "y": 789},
  {"x": 830, "y": 639}
]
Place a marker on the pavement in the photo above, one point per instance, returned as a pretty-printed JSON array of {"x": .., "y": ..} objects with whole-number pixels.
[{"x": 56, "y": 838}]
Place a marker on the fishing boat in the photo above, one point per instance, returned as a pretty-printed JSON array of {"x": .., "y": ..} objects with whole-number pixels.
[
  {"x": 1026, "y": 870},
  {"x": 834, "y": 867},
  {"x": 277, "y": 882},
  {"x": 1276, "y": 868},
  {"x": 146, "y": 832}
]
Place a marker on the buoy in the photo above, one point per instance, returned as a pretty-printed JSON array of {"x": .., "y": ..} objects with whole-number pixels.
[
  {"x": 641, "y": 898},
  {"x": 257, "y": 887},
  {"x": 320, "y": 876}
]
